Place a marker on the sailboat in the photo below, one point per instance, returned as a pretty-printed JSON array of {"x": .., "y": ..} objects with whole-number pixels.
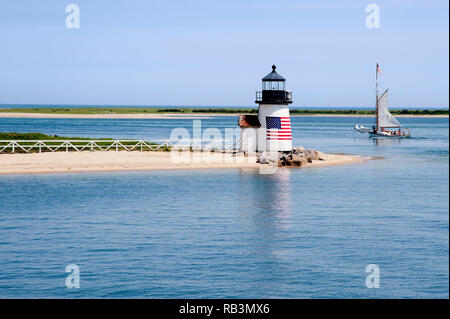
[{"x": 386, "y": 124}]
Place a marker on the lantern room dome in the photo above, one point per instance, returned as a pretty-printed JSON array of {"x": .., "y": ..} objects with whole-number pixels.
[{"x": 273, "y": 76}]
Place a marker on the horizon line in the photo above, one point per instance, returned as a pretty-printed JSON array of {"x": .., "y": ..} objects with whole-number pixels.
[{"x": 28, "y": 105}]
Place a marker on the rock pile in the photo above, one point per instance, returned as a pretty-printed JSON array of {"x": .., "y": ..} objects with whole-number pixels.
[{"x": 296, "y": 158}]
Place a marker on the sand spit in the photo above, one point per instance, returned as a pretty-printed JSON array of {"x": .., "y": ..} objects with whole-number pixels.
[{"x": 64, "y": 162}]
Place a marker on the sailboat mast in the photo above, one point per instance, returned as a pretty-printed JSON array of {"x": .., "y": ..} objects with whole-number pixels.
[{"x": 376, "y": 91}]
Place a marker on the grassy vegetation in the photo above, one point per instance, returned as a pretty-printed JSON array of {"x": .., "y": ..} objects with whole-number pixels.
[
  {"x": 420, "y": 112},
  {"x": 367, "y": 112},
  {"x": 83, "y": 110},
  {"x": 330, "y": 112},
  {"x": 59, "y": 140},
  {"x": 37, "y": 136},
  {"x": 185, "y": 110}
]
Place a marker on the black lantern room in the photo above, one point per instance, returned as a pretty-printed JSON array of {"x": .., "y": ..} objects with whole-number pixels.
[{"x": 273, "y": 90}]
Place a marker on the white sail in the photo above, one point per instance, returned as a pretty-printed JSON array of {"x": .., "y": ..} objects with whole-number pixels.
[
  {"x": 385, "y": 118},
  {"x": 361, "y": 129}
]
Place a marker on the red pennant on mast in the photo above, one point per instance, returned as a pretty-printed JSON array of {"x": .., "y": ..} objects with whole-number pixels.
[{"x": 378, "y": 69}]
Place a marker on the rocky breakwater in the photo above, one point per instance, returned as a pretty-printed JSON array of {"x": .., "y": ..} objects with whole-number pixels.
[{"x": 297, "y": 158}]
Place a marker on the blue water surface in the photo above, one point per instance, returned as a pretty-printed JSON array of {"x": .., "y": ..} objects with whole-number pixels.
[{"x": 231, "y": 233}]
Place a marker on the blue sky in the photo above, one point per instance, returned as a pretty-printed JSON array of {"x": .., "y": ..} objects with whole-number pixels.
[{"x": 205, "y": 52}]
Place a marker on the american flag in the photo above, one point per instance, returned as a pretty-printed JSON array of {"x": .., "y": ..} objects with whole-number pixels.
[{"x": 278, "y": 128}]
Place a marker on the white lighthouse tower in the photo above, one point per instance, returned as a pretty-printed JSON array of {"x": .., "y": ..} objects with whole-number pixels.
[{"x": 271, "y": 130}]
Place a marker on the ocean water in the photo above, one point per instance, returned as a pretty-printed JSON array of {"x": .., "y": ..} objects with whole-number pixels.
[{"x": 230, "y": 233}]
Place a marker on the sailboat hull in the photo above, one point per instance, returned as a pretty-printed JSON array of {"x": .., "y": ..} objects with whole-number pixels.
[{"x": 381, "y": 135}]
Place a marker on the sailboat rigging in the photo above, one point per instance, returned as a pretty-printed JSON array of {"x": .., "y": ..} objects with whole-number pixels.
[{"x": 386, "y": 124}]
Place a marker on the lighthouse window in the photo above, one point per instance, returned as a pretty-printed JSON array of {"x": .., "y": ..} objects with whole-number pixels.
[{"x": 273, "y": 85}]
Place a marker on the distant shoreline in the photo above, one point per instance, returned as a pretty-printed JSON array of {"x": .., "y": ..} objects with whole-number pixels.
[
  {"x": 108, "y": 116},
  {"x": 192, "y": 112},
  {"x": 178, "y": 116}
]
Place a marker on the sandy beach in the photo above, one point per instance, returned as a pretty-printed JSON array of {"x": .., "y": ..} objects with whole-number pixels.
[
  {"x": 62, "y": 162},
  {"x": 141, "y": 116},
  {"x": 138, "y": 116}
]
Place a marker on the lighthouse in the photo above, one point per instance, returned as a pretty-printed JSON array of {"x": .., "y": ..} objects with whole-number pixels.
[{"x": 270, "y": 130}]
